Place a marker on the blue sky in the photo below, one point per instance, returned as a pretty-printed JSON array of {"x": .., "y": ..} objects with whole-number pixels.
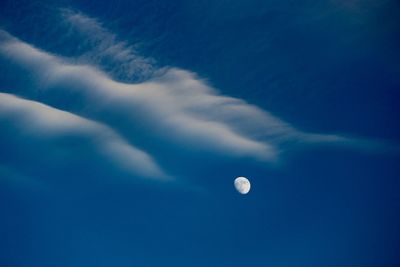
[{"x": 124, "y": 124}]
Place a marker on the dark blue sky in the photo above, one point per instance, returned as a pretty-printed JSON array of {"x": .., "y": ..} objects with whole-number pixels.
[{"x": 123, "y": 125}]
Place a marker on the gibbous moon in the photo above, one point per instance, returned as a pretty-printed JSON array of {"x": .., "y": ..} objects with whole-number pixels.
[{"x": 242, "y": 185}]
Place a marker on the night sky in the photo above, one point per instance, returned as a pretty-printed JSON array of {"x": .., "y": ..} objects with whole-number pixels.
[{"x": 123, "y": 125}]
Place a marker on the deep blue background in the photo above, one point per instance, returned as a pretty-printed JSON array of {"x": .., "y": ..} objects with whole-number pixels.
[{"x": 324, "y": 66}]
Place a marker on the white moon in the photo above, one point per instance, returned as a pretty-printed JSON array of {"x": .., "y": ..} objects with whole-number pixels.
[{"x": 242, "y": 185}]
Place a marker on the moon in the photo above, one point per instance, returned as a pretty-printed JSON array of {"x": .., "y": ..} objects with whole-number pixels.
[{"x": 242, "y": 185}]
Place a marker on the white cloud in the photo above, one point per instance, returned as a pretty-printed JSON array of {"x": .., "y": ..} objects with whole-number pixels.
[
  {"x": 174, "y": 111},
  {"x": 104, "y": 49},
  {"x": 50, "y": 129},
  {"x": 162, "y": 105}
]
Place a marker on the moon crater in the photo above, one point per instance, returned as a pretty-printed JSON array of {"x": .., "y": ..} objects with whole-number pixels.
[{"x": 242, "y": 185}]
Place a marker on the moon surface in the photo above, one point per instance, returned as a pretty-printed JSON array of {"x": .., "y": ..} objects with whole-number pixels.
[{"x": 242, "y": 185}]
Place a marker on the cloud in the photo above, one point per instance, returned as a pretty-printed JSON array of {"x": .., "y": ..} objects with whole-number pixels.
[
  {"x": 46, "y": 138},
  {"x": 101, "y": 47},
  {"x": 165, "y": 116},
  {"x": 162, "y": 105}
]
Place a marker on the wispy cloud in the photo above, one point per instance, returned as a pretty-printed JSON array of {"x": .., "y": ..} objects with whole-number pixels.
[
  {"x": 175, "y": 111},
  {"x": 160, "y": 106},
  {"x": 44, "y": 135},
  {"x": 101, "y": 47}
]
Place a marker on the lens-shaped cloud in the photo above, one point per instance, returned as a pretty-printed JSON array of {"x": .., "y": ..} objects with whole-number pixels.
[
  {"x": 41, "y": 138},
  {"x": 131, "y": 123}
]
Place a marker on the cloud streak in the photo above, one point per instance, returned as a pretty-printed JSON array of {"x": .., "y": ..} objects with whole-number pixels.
[
  {"x": 175, "y": 111},
  {"x": 42, "y": 135},
  {"x": 102, "y": 48},
  {"x": 165, "y": 103}
]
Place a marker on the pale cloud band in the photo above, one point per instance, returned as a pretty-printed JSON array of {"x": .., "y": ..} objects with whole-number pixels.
[
  {"x": 175, "y": 110},
  {"x": 58, "y": 137}
]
